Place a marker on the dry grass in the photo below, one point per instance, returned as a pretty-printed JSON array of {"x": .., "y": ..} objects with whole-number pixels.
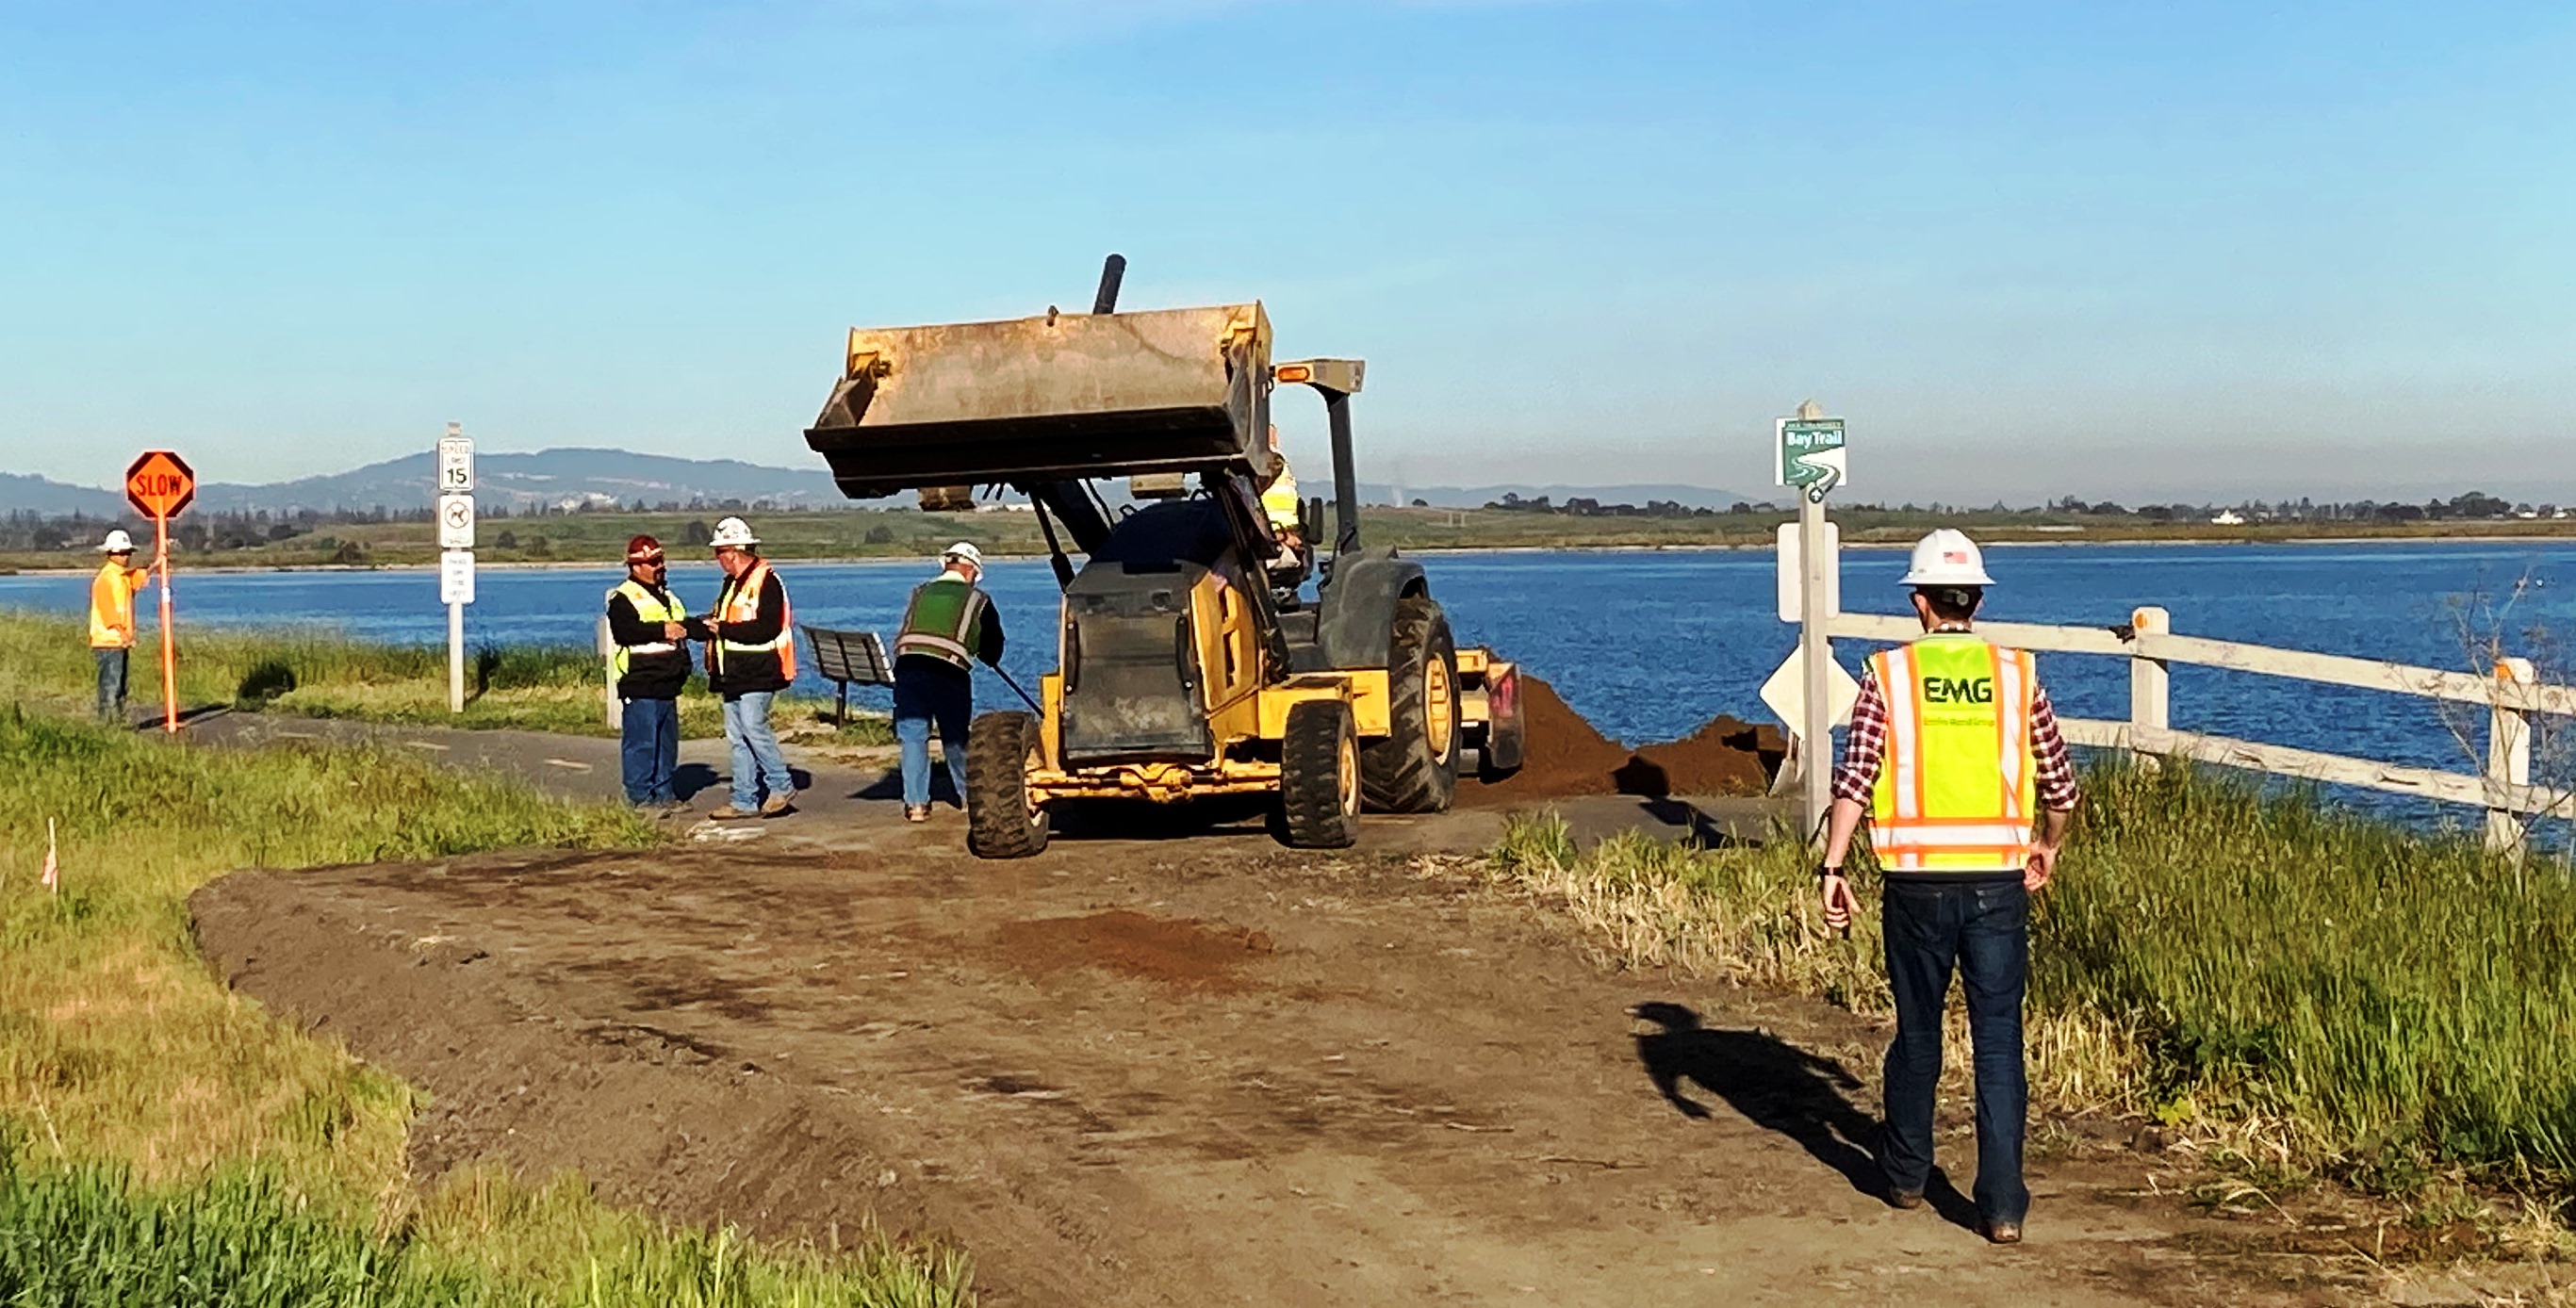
[{"x": 2285, "y": 983}]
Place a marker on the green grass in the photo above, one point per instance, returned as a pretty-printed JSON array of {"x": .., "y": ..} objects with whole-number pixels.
[
  {"x": 91, "y": 1236},
  {"x": 2367, "y": 1000},
  {"x": 120, "y": 1051},
  {"x": 45, "y": 662}
]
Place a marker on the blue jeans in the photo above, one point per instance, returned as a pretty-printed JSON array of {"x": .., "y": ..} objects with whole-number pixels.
[
  {"x": 929, "y": 693},
  {"x": 111, "y": 683},
  {"x": 650, "y": 749},
  {"x": 756, "y": 760},
  {"x": 1982, "y": 927}
]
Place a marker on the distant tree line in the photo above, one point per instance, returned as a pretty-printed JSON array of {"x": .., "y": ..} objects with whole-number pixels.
[
  {"x": 2473, "y": 506},
  {"x": 1584, "y": 506}
]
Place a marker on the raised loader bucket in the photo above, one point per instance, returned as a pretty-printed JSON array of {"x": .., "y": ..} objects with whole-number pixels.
[{"x": 1052, "y": 398}]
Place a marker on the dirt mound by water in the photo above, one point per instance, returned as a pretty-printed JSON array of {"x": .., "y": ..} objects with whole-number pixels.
[{"x": 1566, "y": 755}]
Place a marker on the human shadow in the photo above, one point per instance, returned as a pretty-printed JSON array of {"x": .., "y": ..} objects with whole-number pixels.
[
  {"x": 1705, "y": 832},
  {"x": 690, "y": 778},
  {"x": 1778, "y": 1087},
  {"x": 889, "y": 785}
]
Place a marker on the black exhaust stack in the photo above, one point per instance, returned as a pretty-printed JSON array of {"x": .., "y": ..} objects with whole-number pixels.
[{"x": 1113, "y": 270}]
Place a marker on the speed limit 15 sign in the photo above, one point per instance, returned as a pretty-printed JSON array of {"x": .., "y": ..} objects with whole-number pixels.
[{"x": 455, "y": 462}]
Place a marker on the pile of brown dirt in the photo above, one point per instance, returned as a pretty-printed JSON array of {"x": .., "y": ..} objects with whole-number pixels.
[
  {"x": 1172, "y": 951},
  {"x": 1565, "y": 755},
  {"x": 1724, "y": 757},
  {"x": 1561, "y": 754}
]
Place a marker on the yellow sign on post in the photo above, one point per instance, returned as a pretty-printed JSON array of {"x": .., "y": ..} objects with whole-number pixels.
[{"x": 160, "y": 484}]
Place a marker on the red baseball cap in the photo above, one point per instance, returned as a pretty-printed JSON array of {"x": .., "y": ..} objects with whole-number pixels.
[{"x": 643, "y": 549}]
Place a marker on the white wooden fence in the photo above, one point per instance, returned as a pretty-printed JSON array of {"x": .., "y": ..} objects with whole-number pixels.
[{"x": 2511, "y": 696}]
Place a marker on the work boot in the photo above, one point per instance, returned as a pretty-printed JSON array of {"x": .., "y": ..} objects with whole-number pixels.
[
  {"x": 728, "y": 813},
  {"x": 776, "y": 805},
  {"x": 911, "y": 814},
  {"x": 2003, "y": 1232},
  {"x": 1908, "y": 1199}
]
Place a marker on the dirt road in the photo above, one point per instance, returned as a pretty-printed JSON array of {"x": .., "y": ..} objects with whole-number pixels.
[{"x": 1198, "y": 1071}]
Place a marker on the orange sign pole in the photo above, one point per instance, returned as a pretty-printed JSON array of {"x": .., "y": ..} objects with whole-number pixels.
[
  {"x": 161, "y": 483},
  {"x": 169, "y": 646}
]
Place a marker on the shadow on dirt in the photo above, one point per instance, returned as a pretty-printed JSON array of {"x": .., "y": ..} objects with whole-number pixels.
[{"x": 1779, "y": 1087}]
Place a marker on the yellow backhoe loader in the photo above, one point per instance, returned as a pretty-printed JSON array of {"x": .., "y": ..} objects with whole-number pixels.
[{"x": 1193, "y": 661}]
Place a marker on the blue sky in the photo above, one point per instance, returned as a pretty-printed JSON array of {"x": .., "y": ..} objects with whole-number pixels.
[{"x": 2137, "y": 251}]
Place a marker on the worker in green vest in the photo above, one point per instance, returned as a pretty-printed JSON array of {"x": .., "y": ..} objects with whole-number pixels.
[
  {"x": 948, "y": 628},
  {"x": 652, "y": 664}
]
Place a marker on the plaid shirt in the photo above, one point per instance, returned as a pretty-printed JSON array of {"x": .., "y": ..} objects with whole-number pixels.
[{"x": 1866, "y": 749}]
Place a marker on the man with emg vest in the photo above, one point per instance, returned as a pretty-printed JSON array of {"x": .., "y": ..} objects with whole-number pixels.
[
  {"x": 1954, "y": 756},
  {"x": 647, "y": 623},
  {"x": 949, "y": 626},
  {"x": 111, "y": 620},
  {"x": 751, "y": 656}
]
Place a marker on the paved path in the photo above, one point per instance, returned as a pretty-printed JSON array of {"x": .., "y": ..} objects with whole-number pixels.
[{"x": 849, "y": 797}]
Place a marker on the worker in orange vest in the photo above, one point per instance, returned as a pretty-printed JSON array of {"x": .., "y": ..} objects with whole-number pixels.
[
  {"x": 751, "y": 656},
  {"x": 111, "y": 620}
]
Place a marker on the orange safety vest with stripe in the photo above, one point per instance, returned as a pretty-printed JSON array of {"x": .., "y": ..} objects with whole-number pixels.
[
  {"x": 1958, "y": 788},
  {"x": 111, "y": 606},
  {"x": 740, "y": 602}
]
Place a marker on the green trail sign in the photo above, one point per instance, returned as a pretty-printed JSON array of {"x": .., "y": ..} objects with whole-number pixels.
[{"x": 1809, "y": 454}]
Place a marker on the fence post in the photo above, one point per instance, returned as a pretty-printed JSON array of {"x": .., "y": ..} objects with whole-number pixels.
[
  {"x": 2150, "y": 686},
  {"x": 2508, "y": 752}
]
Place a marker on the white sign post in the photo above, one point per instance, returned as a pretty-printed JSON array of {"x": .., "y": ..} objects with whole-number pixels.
[
  {"x": 455, "y": 514},
  {"x": 1807, "y": 454},
  {"x": 1792, "y": 572}
]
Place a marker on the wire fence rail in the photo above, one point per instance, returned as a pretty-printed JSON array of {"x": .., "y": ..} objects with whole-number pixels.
[{"x": 2512, "y": 697}]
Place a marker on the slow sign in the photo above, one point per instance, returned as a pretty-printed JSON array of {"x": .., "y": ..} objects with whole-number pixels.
[{"x": 159, "y": 484}]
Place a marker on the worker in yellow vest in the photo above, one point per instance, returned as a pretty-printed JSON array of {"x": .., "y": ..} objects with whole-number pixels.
[
  {"x": 1287, "y": 516},
  {"x": 1955, "y": 759},
  {"x": 111, "y": 620},
  {"x": 751, "y": 656},
  {"x": 647, "y": 624}
]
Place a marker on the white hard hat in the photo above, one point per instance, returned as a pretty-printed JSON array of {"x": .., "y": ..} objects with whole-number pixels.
[
  {"x": 733, "y": 532},
  {"x": 1947, "y": 558},
  {"x": 117, "y": 542},
  {"x": 964, "y": 550}
]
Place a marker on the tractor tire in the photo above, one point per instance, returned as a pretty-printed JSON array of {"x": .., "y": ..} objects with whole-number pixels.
[
  {"x": 1000, "y": 820},
  {"x": 1319, "y": 783},
  {"x": 1415, "y": 769}
]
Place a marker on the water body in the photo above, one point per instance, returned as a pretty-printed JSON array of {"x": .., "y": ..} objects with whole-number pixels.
[{"x": 1650, "y": 644}]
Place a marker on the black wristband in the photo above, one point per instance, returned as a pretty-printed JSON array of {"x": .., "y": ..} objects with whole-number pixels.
[{"x": 1828, "y": 871}]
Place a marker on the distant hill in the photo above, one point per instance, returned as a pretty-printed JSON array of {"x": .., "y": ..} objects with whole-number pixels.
[
  {"x": 1471, "y": 497},
  {"x": 569, "y": 478},
  {"x": 562, "y": 478},
  {"x": 22, "y": 493}
]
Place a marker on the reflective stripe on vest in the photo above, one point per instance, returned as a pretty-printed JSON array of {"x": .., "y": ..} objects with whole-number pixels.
[
  {"x": 944, "y": 621},
  {"x": 650, "y": 611},
  {"x": 740, "y": 602},
  {"x": 1279, "y": 501},
  {"x": 1958, "y": 787},
  {"x": 111, "y": 608}
]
